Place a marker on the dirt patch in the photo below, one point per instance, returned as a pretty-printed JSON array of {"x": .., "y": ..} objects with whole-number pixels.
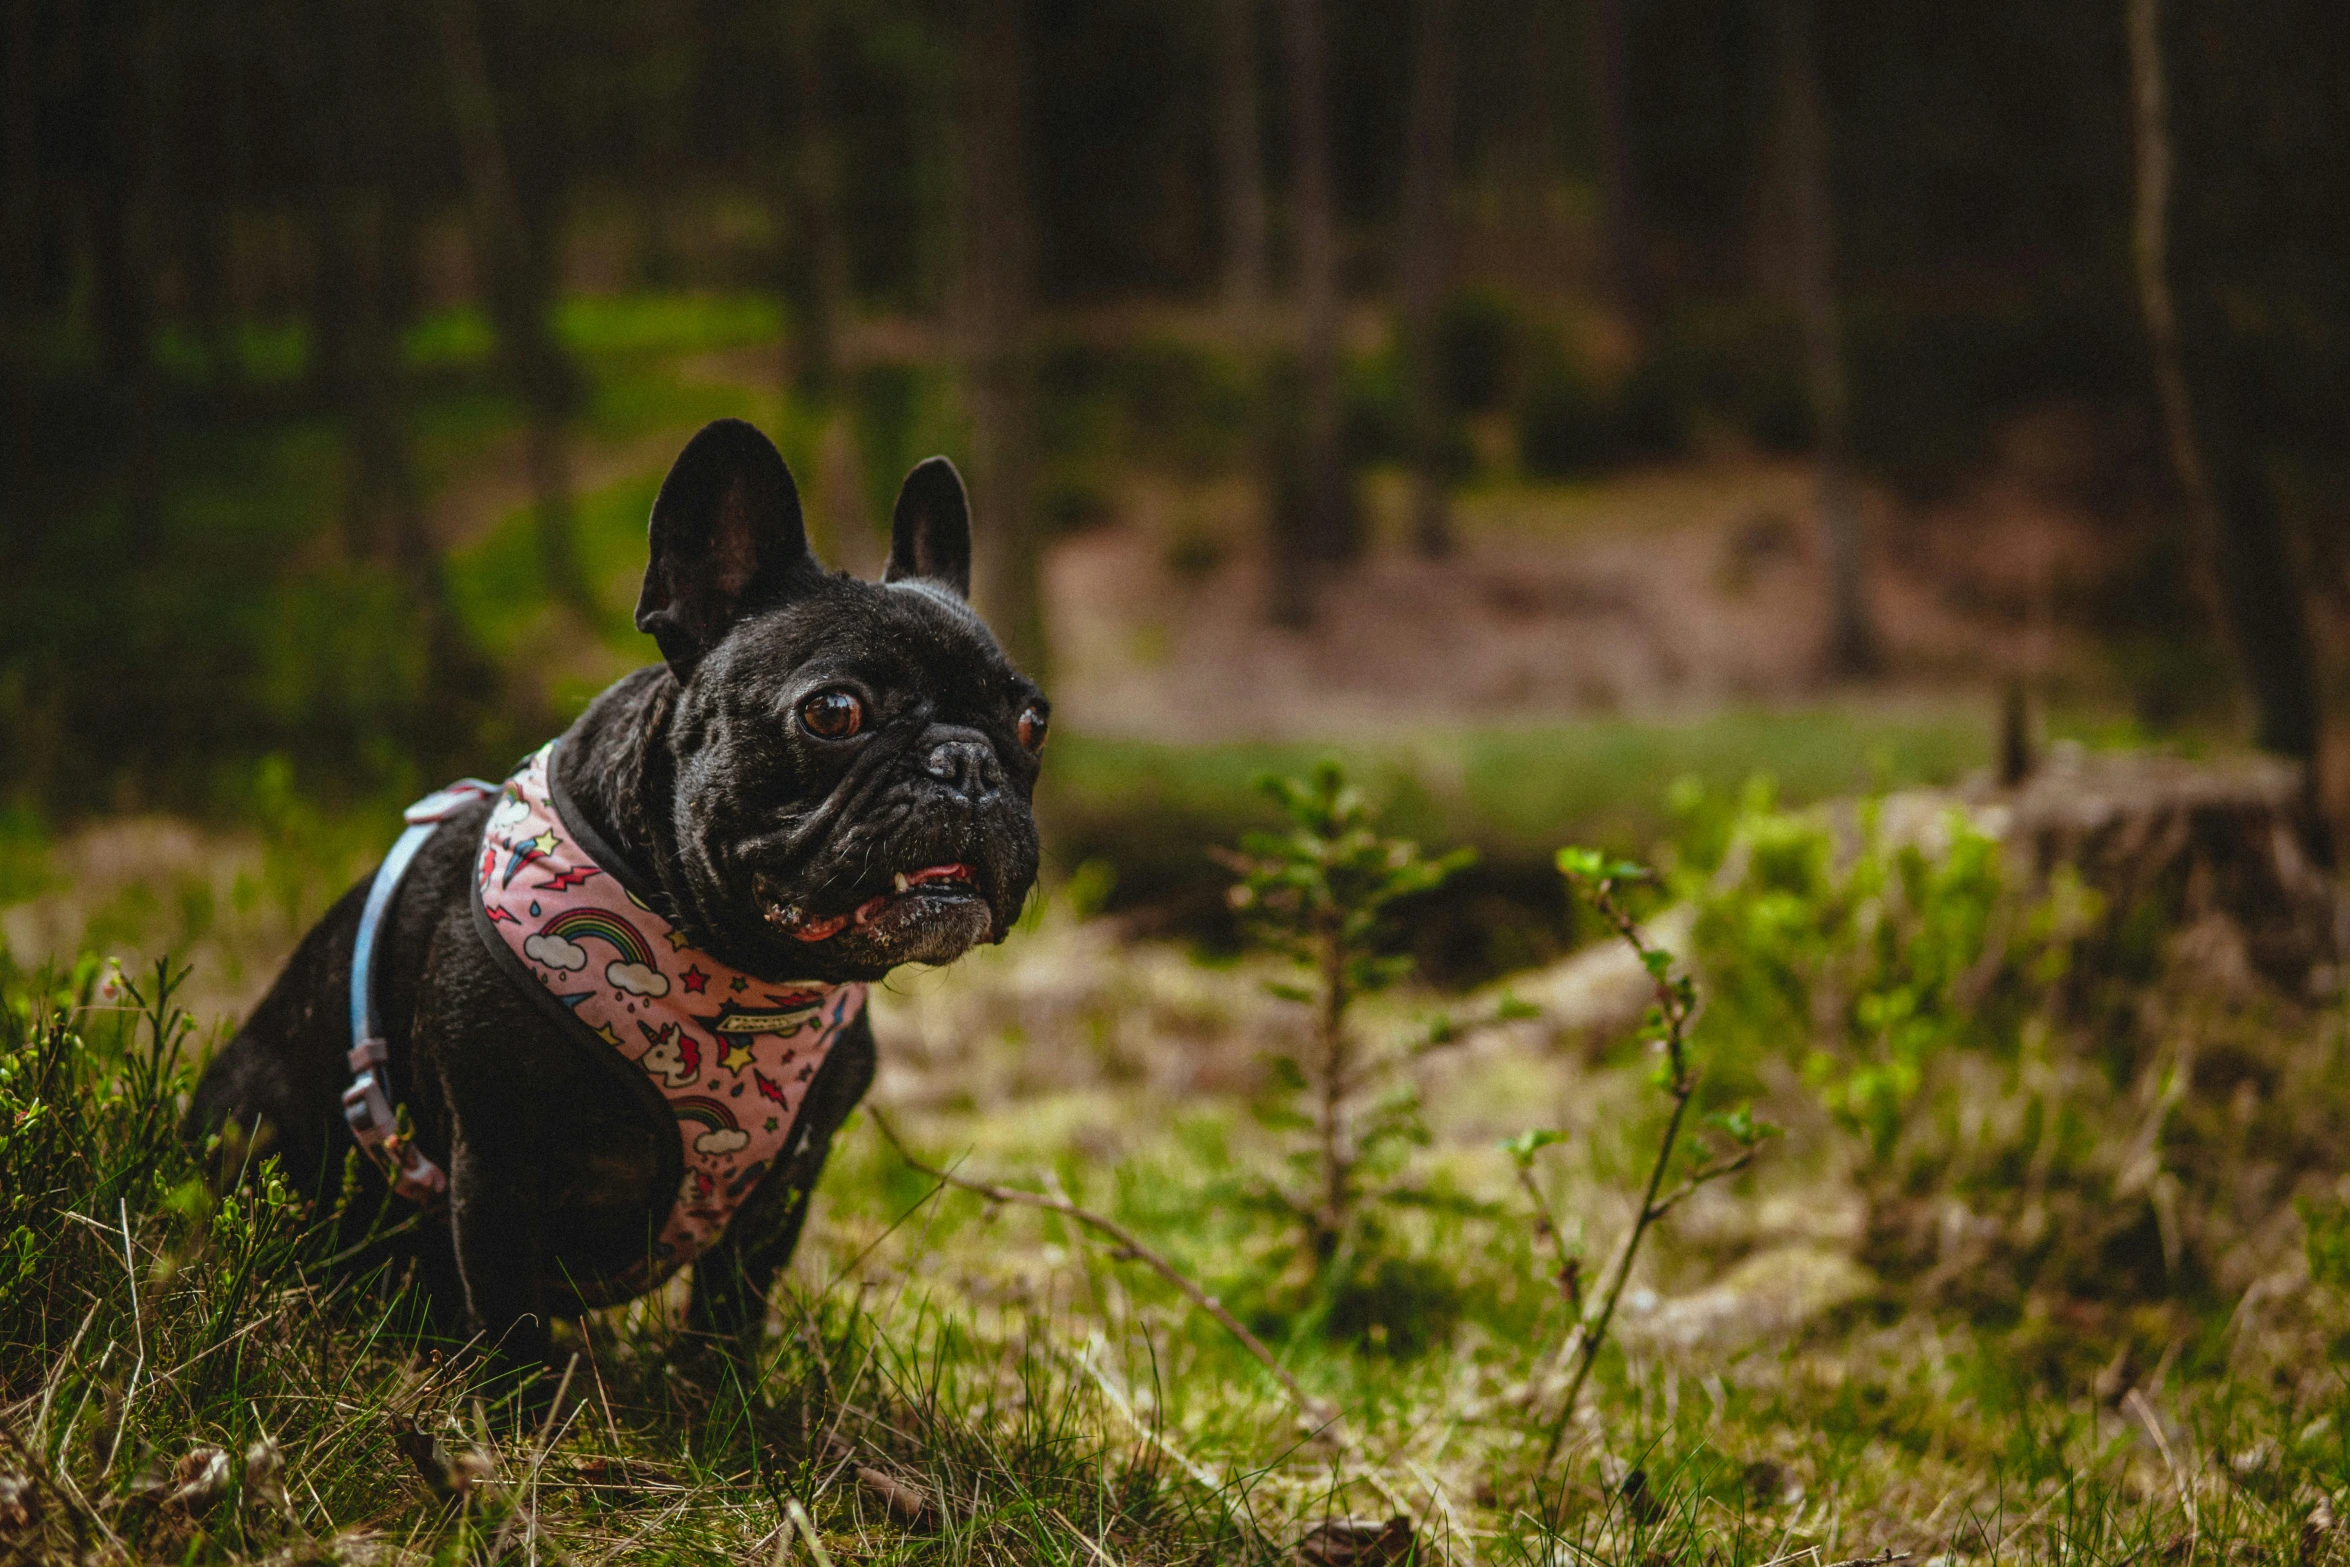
[{"x": 1671, "y": 591}]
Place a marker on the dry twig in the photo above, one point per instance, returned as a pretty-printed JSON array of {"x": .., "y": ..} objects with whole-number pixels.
[{"x": 1314, "y": 1408}]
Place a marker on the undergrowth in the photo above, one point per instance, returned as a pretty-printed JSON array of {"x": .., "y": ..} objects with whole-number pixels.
[{"x": 2087, "y": 1264}]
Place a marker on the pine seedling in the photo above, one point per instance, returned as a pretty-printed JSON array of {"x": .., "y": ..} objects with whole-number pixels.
[{"x": 1319, "y": 893}]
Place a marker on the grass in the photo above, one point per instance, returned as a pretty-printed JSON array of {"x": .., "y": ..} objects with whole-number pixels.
[{"x": 950, "y": 1380}]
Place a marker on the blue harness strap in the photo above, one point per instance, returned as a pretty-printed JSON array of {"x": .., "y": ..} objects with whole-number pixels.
[{"x": 367, "y": 1103}]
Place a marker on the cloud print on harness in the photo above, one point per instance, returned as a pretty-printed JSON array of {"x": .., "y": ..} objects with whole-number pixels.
[
  {"x": 635, "y": 970},
  {"x": 567, "y": 956},
  {"x": 636, "y": 978},
  {"x": 666, "y": 1027},
  {"x": 702, "y": 1110}
]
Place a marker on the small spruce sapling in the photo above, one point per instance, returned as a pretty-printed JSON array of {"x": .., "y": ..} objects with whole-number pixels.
[
  {"x": 1320, "y": 893},
  {"x": 1738, "y": 1133}
]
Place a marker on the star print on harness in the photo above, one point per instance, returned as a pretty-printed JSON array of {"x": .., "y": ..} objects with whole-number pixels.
[{"x": 731, "y": 1053}]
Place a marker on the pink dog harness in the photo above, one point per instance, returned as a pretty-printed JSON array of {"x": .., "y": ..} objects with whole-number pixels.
[
  {"x": 731, "y": 1053},
  {"x": 732, "y": 1056}
]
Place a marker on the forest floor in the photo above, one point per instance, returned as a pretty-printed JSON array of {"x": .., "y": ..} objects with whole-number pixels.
[
  {"x": 952, "y": 1380},
  {"x": 2093, "y": 1326}
]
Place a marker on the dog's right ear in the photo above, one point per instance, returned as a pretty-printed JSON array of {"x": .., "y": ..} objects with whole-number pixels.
[
  {"x": 726, "y": 537},
  {"x": 930, "y": 532}
]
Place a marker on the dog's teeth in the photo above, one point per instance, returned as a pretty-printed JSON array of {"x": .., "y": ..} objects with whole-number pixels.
[{"x": 901, "y": 881}]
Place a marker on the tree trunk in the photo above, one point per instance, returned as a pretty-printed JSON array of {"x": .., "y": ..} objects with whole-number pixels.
[
  {"x": 1852, "y": 637},
  {"x": 123, "y": 265},
  {"x": 998, "y": 261},
  {"x": 1618, "y": 189},
  {"x": 1330, "y": 524},
  {"x": 842, "y": 529},
  {"x": 219, "y": 294},
  {"x": 520, "y": 276},
  {"x": 1426, "y": 260},
  {"x": 1240, "y": 156},
  {"x": 21, "y": 206},
  {"x": 2220, "y": 468},
  {"x": 816, "y": 269},
  {"x": 364, "y": 241}
]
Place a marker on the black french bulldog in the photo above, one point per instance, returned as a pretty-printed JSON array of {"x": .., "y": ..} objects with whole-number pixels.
[{"x": 810, "y": 740}]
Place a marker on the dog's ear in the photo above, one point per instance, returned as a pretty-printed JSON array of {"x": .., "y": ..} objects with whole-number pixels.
[
  {"x": 930, "y": 533},
  {"x": 726, "y": 536}
]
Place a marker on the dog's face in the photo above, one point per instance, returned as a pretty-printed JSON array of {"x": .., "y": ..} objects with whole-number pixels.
[{"x": 853, "y": 761}]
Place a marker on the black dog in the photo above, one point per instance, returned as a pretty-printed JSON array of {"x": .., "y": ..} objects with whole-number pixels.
[{"x": 812, "y": 740}]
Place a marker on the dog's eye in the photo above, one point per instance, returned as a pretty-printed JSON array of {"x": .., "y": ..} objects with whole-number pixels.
[
  {"x": 1032, "y": 722},
  {"x": 832, "y": 715}
]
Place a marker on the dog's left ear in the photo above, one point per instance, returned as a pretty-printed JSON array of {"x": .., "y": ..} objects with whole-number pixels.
[
  {"x": 726, "y": 536},
  {"x": 930, "y": 533}
]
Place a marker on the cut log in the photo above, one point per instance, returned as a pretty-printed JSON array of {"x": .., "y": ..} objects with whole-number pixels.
[{"x": 2176, "y": 843}]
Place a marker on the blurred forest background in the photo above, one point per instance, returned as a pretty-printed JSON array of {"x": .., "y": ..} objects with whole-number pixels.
[
  {"x": 1881, "y": 463},
  {"x": 1543, "y": 399}
]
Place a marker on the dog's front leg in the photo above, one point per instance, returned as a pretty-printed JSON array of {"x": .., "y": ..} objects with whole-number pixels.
[
  {"x": 494, "y": 1223},
  {"x": 728, "y": 1309}
]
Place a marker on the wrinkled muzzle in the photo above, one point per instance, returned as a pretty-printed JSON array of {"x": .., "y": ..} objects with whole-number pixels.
[{"x": 929, "y": 854}]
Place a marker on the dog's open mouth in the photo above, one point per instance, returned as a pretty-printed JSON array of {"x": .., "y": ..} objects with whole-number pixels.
[{"x": 910, "y": 892}]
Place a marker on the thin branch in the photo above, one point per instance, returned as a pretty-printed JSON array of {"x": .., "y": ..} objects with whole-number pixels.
[
  {"x": 1703, "y": 1175},
  {"x": 2150, "y": 248},
  {"x": 1569, "y": 1277},
  {"x": 1317, "y": 1409},
  {"x": 1675, "y": 1007},
  {"x": 1594, "y": 1336}
]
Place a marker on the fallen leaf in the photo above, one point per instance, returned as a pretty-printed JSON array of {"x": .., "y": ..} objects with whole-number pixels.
[
  {"x": 20, "y": 1505},
  {"x": 199, "y": 1480}
]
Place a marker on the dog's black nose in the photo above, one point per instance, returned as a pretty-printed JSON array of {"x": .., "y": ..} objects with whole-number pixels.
[{"x": 969, "y": 767}]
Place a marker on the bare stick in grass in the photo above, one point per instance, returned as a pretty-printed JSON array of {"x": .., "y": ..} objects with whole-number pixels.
[
  {"x": 1318, "y": 1410},
  {"x": 1325, "y": 1415},
  {"x": 1668, "y": 1024}
]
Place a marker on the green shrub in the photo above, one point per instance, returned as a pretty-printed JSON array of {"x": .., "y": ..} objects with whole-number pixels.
[
  {"x": 1375, "y": 416},
  {"x": 1738, "y": 365},
  {"x": 1861, "y": 958}
]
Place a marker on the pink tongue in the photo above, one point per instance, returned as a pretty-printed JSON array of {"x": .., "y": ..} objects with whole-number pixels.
[
  {"x": 821, "y": 930},
  {"x": 818, "y": 930}
]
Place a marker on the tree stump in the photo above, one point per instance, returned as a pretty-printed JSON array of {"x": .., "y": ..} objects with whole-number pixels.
[{"x": 2184, "y": 844}]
